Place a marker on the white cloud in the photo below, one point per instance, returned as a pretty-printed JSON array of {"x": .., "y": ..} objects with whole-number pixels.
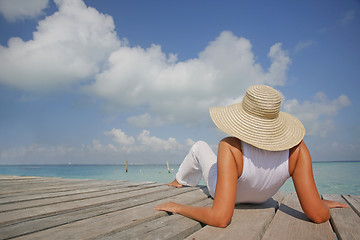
[
  {"x": 68, "y": 47},
  {"x": 14, "y": 10},
  {"x": 98, "y": 147},
  {"x": 276, "y": 74},
  {"x": 120, "y": 137},
  {"x": 157, "y": 144},
  {"x": 144, "y": 143},
  {"x": 190, "y": 142},
  {"x": 317, "y": 115},
  {"x": 303, "y": 45},
  {"x": 183, "y": 91}
]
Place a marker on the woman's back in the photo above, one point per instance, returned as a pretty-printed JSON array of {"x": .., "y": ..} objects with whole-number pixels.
[{"x": 264, "y": 172}]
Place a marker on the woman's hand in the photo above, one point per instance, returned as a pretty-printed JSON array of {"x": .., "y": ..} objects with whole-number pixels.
[
  {"x": 168, "y": 207},
  {"x": 333, "y": 204}
]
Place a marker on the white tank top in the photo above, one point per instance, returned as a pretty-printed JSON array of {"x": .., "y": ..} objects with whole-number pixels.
[{"x": 264, "y": 172}]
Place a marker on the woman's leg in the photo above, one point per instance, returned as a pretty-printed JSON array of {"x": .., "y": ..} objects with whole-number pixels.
[{"x": 199, "y": 162}]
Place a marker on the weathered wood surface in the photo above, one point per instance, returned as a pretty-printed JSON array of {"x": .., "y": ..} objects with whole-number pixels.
[
  {"x": 54, "y": 208},
  {"x": 291, "y": 223},
  {"x": 346, "y": 222},
  {"x": 249, "y": 221}
]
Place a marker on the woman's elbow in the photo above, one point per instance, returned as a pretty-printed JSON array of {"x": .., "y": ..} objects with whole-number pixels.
[
  {"x": 221, "y": 224},
  {"x": 320, "y": 218},
  {"x": 222, "y": 221}
]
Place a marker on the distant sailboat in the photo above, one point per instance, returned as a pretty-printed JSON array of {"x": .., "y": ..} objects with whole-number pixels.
[{"x": 167, "y": 164}]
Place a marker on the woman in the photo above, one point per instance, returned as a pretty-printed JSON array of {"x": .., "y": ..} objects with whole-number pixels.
[{"x": 265, "y": 149}]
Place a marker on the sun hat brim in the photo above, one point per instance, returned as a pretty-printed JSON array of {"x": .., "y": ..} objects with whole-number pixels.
[{"x": 277, "y": 134}]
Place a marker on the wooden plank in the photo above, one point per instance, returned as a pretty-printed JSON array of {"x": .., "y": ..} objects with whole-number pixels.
[
  {"x": 67, "y": 198},
  {"x": 174, "y": 227},
  {"x": 10, "y": 198},
  {"x": 290, "y": 222},
  {"x": 33, "y": 180},
  {"x": 36, "y": 194},
  {"x": 354, "y": 202},
  {"x": 345, "y": 221},
  {"x": 43, "y": 185},
  {"x": 26, "y": 187},
  {"x": 49, "y": 181},
  {"x": 113, "y": 222},
  {"x": 64, "y": 189},
  {"x": 18, "y": 179},
  {"x": 46, "y": 210},
  {"x": 357, "y": 197},
  {"x": 249, "y": 221},
  {"x": 35, "y": 225}
]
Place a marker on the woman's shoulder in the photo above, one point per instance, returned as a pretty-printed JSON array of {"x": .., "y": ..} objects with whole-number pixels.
[
  {"x": 235, "y": 146},
  {"x": 294, "y": 155},
  {"x": 232, "y": 141}
]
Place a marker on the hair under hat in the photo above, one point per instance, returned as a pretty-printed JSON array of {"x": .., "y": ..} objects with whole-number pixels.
[{"x": 257, "y": 120}]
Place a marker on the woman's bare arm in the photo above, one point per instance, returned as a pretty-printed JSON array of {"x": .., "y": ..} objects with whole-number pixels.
[
  {"x": 315, "y": 209},
  {"x": 221, "y": 212}
]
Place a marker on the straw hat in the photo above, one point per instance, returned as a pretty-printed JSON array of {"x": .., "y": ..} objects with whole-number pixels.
[{"x": 257, "y": 120}]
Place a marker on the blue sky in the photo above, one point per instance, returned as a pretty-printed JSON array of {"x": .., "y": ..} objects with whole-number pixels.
[{"x": 109, "y": 81}]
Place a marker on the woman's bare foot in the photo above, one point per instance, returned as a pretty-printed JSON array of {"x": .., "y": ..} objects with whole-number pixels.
[{"x": 175, "y": 184}]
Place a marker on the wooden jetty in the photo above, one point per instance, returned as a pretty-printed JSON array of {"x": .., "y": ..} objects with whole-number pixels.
[{"x": 55, "y": 208}]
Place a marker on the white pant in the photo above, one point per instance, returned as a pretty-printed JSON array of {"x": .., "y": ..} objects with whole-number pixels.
[{"x": 201, "y": 161}]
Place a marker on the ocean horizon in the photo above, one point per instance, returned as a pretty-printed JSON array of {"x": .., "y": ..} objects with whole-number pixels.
[{"x": 336, "y": 177}]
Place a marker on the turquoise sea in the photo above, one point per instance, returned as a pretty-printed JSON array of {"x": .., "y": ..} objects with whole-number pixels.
[{"x": 330, "y": 177}]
